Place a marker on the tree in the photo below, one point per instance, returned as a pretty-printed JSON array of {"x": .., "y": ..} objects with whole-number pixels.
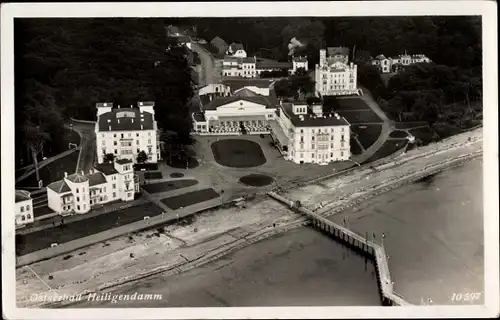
[
  {"x": 142, "y": 157},
  {"x": 35, "y": 139},
  {"x": 301, "y": 72},
  {"x": 109, "y": 157}
]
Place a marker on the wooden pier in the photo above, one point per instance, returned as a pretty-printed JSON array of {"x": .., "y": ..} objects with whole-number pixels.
[{"x": 389, "y": 297}]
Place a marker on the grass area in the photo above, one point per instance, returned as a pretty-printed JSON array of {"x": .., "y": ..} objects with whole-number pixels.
[
  {"x": 398, "y": 134},
  {"x": 344, "y": 104},
  {"x": 169, "y": 185},
  {"x": 387, "y": 149},
  {"x": 367, "y": 134},
  {"x": 256, "y": 180},
  {"x": 355, "y": 148},
  {"x": 238, "y": 153},
  {"x": 148, "y": 175},
  {"x": 190, "y": 198},
  {"x": 360, "y": 116},
  {"x": 53, "y": 171},
  {"x": 41, "y": 211},
  {"x": 44, "y": 238},
  {"x": 409, "y": 125}
]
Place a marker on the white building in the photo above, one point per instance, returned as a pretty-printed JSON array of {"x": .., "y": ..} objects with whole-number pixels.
[
  {"x": 213, "y": 88},
  {"x": 388, "y": 65},
  {"x": 24, "y": 208},
  {"x": 236, "y": 50},
  {"x": 125, "y": 132},
  {"x": 334, "y": 75},
  {"x": 305, "y": 134},
  {"x": 242, "y": 113},
  {"x": 79, "y": 193},
  {"x": 252, "y": 67},
  {"x": 299, "y": 62}
]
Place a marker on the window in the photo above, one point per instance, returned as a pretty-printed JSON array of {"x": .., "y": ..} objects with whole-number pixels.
[
  {"x": 84, "y": 206},
  {"x": 342, "y": 137},
  {"x": 103, "y": 142},
  {"x": 342, "y": 154},
  {"x": 114, "y": 135},
  {"x": 114, "y": 194},
  {"x": 138, "y": 150},
  {"x": 137, "y": 135},
  {"x": 77, "y": 199},
  {"x": 122, "y": 135},
  {"x": 77, "y": 190},
  {"x": 84, "y": 198},
  {"x": 331, "y": 138},
  {"x": 301, "y": 155},
  {"x": 103, "y": 150},
  {"x": 137, "y": 142},
  {"x": 23, "y": 217},
  {"x": 312, "y": 130},
  {"x": 102, "y": 135},
  {"x": 115, "y": 143},
  {"x": 128, "y": 194},
  {"x": 342, "y": 144},
  {"x": 312, "y": 146},
  {"x": 104, "y": 189},
  {"x": 331, "y": 155},
  {"x": 149, "y": 134},
  {"x": 312, "y": 155},
  {"x": 149, "y": 141},
  {"x": 312, "y": 138},
  {"x": 129, "y": 135},
  {"x": 28, "y": 207},
  {"x": 22, "y": 209},
  {"x": 116, "y": 151},
  {"x": 114, "y": 185},
  {"x": 78, "y": 207},
  {"x": 331, "y": 145},
  {"x": 83, "y": 189}
]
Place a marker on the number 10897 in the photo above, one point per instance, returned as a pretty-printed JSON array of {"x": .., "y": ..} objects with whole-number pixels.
[{"x": 468, "y": 296}]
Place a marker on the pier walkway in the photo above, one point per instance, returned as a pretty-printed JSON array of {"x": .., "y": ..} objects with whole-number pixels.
[{"x": 389, "y": 297}]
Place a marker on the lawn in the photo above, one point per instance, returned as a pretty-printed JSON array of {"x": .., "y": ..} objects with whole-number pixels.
[
  {"x": 169, "y": 185},
  {"x": 355, "y": 148},
  {"x": 398, "y": 134},
  {"x": 238, "y": 153},
  {"x": 344, "y": 104},
  {"x": 256, "y": 180},
  {"x": 148, "y": 175},
  {"x": 190, "y": 198},
  {"x": 367, "y": 134},
  {"x": 180, "y": 163},
  {"x": 44, "y": 238},
  {"x": 409, "y": 125},
  {"x": 53, "y": 171},
  {"x": 387, "y": 149},
  {"x": 41, "y": 211},
  {"x": 360, "y": 116}
]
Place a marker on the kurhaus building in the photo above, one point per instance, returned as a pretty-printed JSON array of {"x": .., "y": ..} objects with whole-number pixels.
[
  {"x": 124, "y": 132},
  {"x": 79, "y": 192},
  {"x": 335, "y": 76}
]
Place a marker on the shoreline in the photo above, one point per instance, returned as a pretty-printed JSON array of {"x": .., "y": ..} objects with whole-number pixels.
[{"x": 286, "y": 224}]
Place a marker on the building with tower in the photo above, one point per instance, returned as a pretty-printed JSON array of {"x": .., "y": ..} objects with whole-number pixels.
[{"x": 335, "y": 75}]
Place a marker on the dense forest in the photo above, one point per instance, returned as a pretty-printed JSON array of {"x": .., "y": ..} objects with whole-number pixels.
[{"x": 63, "y": 67}]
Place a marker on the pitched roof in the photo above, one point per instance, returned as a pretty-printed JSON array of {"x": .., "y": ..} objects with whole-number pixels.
[
  {"x": 299, "y": 59},
  {"x": 123, "y": 161},
  {"x": 236, "y": 84},
  {"x": 380, "y": 57},
  {"x": 77, "y": 178},
  {"x": 22, "y": 195},
  {"x": 226, "y": 100},
  {"x": 338, "y": 50},
  {"x": 245, "y": 92},
  {"x": 96, "y": 178},
  {"x": 59, "y": 186},
  {"x": 125, "y": 119},
  {"x": 219, "y": 43},
  {"x": 236, "y": 46},
  {"x": 106, "y": 168},
  {"x": 310, "y": 120},
  {"x": 198, "y": 116},
  {"x": 269, "y": 64}
]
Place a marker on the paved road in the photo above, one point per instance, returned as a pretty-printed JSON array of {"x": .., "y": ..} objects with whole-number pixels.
[
  {"x": 88, "y": 147},
  {"x": 207, "y": 63}
]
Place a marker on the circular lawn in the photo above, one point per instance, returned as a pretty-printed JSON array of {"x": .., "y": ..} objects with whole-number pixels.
[
  {"x": 176, "y": 175},
  {"x": 398, "y": 134},
  {"x": 256, "y": 180},
  {"x": 238, "y": 153}
]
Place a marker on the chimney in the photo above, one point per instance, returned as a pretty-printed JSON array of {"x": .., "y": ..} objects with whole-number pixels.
[
  {"x": 210, "y": 96},
  {"x": 118, "y": 106},
  {"x": 65, "y": 174},
  {"x": 142, "y": 127},
  {"x": 118, "y": 120},
  {"x": 132, "y": 120},
  {"x": 109, "y": 128}
]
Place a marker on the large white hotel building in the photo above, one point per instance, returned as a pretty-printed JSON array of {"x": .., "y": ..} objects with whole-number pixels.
[
  {"x": 125, "y": 132},
  {"x": 335, "y": 76}
]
